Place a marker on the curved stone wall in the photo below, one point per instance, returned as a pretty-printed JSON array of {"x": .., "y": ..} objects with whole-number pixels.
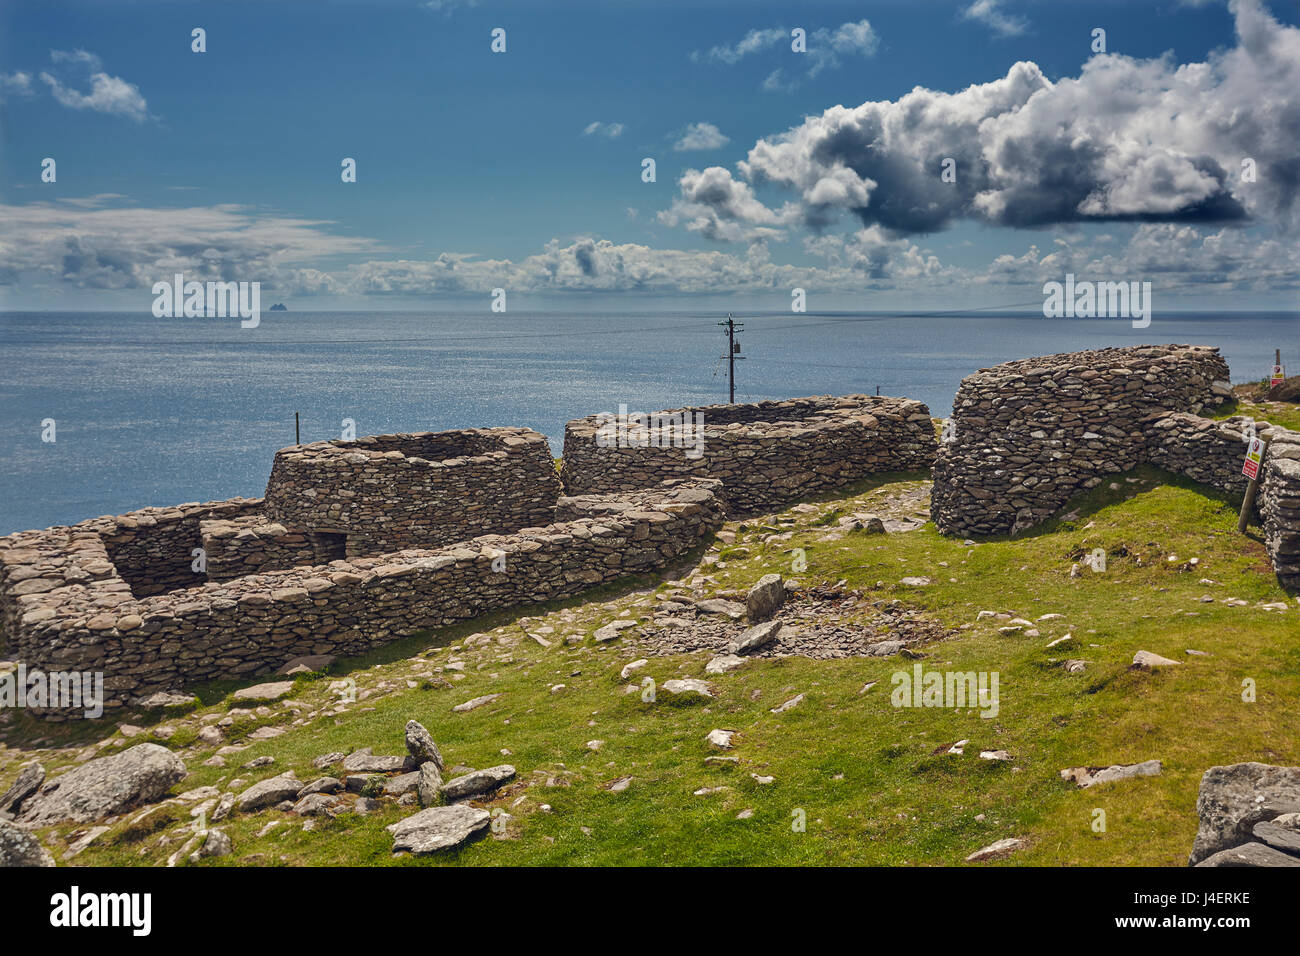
[
  {"x": 1027, "y": 436},
  {"x": 766, "y": 454},
  {"x": 388, "y": 492}
]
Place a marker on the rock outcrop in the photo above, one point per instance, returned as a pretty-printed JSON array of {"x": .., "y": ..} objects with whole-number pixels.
[{"x": 105, "y": 787}]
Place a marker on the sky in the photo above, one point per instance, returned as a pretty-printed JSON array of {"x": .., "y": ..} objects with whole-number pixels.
[{"x": 1168, "y": 153}]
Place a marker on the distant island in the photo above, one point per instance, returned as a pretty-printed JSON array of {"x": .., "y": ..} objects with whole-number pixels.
[{"x": 279, "y": 307}]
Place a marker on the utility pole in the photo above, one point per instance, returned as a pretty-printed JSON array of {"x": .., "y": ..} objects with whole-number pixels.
[{"x": 733, "y": 347}]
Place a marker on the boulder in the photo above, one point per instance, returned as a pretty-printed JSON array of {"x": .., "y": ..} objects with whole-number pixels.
[
  {"x": 756, "y": 637},
  {"x": 688, "y": 688},
  {"x": 1145, "y": 660},
  {"x": 1088, "y": 776},
  {"x": 612, "y": 630},
  {"x": 1250, "y": 854},
  {"x": 430, "y": 785},
  {"x": 765, "y": 597},
  {"x": 1234, "y": 798},
  {"x": 439, "y": 828},
  {"x": 421, "y": 746},
  {"x": 264, "y": 692},
  {"x": 363, "y": 761},
  {"x": 315, "y": 804},
  {"x": 29, "y": 779},
  {"x": 480, "y": 781},
  {"x": 721, "y": 607},
  {"x": 269, "y": 792},
  {"x": 106, "y": 786},
  {"x": 20, "y": 848}
]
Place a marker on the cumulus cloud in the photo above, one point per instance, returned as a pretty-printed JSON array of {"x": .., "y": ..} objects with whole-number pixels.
[
  {"x": 722, "y": 208},
  {"x": 16, "y": 83},
  {"x": 701, "y": 136},
  {"x": 107, "y": 94},
  {"x": 86, "y": 244},
  {"x": 989, "y": 13},
  {"x": 94, "y": 244},
  {"x": 1126, "y": 140},
  {"x": 825, "y": 46},
  {"x": 608, "y": 130}
]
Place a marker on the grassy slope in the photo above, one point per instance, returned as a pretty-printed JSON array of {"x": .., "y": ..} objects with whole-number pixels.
[{"x": 861, "y": 770}]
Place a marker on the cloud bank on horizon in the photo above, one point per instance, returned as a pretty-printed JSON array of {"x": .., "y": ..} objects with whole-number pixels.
[{"x": 1151, "y": 149}]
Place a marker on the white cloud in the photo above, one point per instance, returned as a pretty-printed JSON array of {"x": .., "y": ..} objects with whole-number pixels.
[
  {"x": 1128, "y": 139},
  {"x": 701, "y": 136},
  {"x": 108, "y": 94},
  {"x": 825, "y": 47},
  {"x": 608, "y": 130},
  {"x": 989, "y": 13}
]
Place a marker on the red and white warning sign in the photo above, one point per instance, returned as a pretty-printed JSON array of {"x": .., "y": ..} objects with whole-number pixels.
[
  {"x": 1254, "y": 454},
  {"x": 1278, "y": 376}
]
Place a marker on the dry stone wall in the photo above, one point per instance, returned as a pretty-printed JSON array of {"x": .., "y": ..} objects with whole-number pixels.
[
  {"x": 1027, "y": 436},
  {"x": 388, "y": 492},
  {"x": 152, "y": 548},
  {"x": 766, "y": 454},
  {"x": 80, "y": 614},
  {"x": 251, "y": 543},
  {"x": 1030, "y": 435}
]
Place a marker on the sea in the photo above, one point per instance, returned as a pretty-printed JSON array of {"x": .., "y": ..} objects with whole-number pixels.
[{"x": 149, "y": 411}]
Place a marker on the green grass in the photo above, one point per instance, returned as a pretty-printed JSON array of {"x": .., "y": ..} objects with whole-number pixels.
[{"x": 862, "y": 772}]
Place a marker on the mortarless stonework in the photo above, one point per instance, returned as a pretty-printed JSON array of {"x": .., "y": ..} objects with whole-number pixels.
[
  {"x": 766, "y": 454},
  {"x": 1029, "y": 435},
  {"x": 388, "y": 492},
  {"x": 66, "y": 607}
]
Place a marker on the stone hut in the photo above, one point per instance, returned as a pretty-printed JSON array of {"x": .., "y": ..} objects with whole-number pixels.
[{"x": 766, "y": 454}]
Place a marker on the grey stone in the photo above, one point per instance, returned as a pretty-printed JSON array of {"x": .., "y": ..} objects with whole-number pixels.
[
  {"x": 321, "y": 785},
  {"x": 721, "y": 607},
  {"x": 756, "y": 637},
  {"x": 480, "y": 781},
  {"x": 267, "y": 793},
  {"x": 1250, "y": 854},
  {"x": 1145, "y": 660},
  {"x": 1280, "y": 838},
  {"x": 995, "y": 850},
  {"x": 420, "y": 744},
  {"x": 106, "y": 786},
  {"x": 439, "y": 828},
  {"x": 315, "y": 804},
  {"x": 264, "y": 692},
  {"x": 20, "y": 848},
  {"x": 29, "y": 779},
  {"x": 430, "y": 784},
  {"x": 363, "y": 761},
  {"x": 765, "y": 598},
  {"x": 688, "y": 687},
  {"x": 1233, "y": 798},
  {"x": 403, "y": 783},
  {"x": 167, "y": 700}
]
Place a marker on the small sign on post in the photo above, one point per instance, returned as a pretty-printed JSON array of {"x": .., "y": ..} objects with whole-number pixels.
[
  {"x": 1254, "y": 455},
  {"x": 1255, "y": 451},
  {"x": 1278, "y": 376}
]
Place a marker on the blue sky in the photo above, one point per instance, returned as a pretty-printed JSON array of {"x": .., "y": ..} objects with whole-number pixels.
[{"x": 478, "y": 170}]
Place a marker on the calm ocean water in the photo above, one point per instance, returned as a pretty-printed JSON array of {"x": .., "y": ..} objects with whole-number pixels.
[{"x": 160, "y": 411}]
